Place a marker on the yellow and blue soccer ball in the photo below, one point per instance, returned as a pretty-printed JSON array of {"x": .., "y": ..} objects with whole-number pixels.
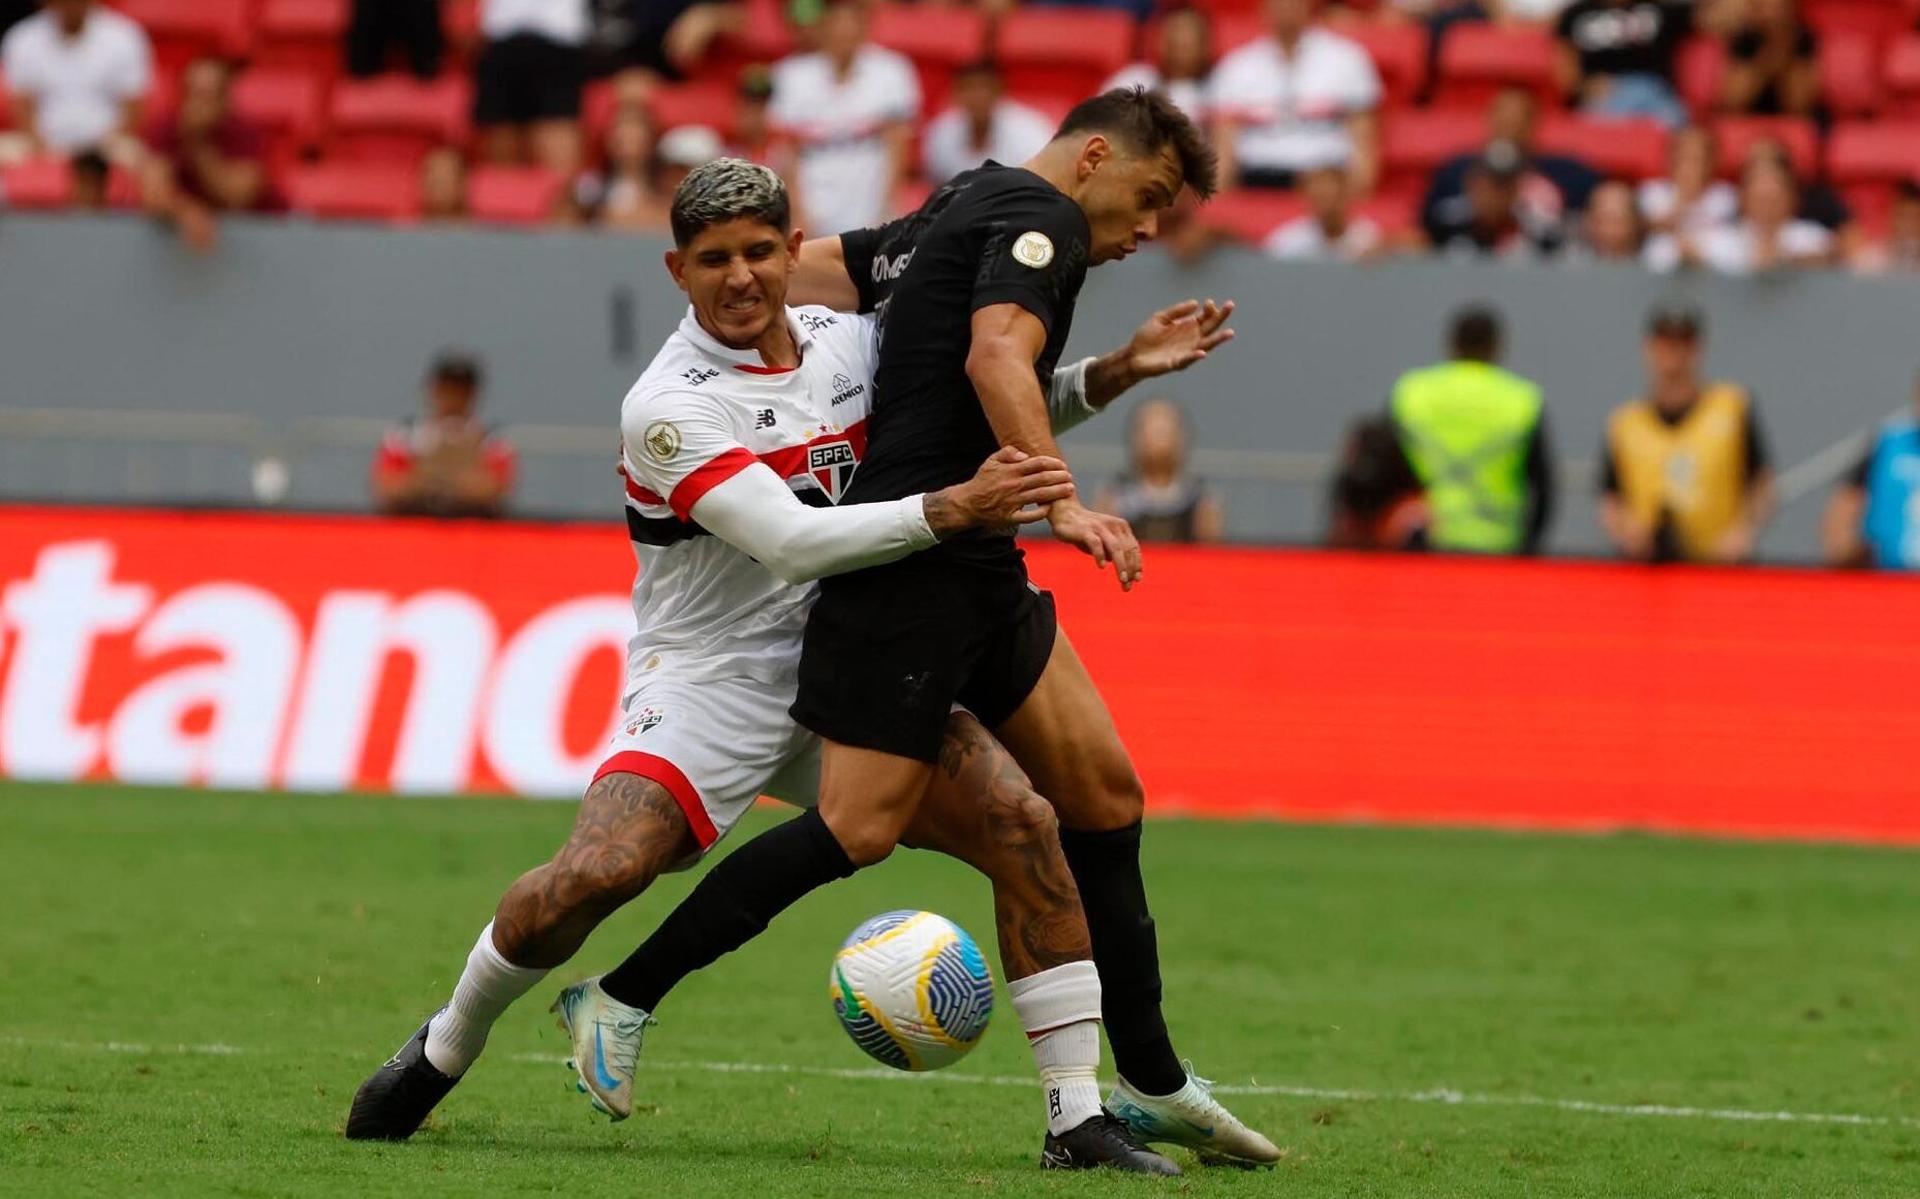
[{"x": 912, "y": 990}]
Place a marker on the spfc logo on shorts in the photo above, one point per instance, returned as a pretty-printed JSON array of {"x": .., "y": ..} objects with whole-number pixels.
[
  {"x": 645, "y": 719},
  {"x": 832, "y": 465}
]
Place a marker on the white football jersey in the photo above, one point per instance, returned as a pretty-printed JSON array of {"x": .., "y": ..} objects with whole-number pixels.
[{"x": 700, "y": 414}]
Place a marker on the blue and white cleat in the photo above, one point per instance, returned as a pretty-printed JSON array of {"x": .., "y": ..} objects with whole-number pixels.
[
  {"x": 1192, "y": 1117},
  {"x": 606, "y": 1038}
]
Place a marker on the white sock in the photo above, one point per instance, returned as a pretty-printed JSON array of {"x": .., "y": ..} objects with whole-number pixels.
[
  {"x": 487, "y": 987},
  {"x": 1060, "y": 1011}
]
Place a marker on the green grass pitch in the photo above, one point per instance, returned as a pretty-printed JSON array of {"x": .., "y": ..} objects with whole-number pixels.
[{"x": 192, "y": 985}]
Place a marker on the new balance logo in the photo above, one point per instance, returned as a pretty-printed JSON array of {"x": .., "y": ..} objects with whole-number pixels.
[{"x": 763, "y": 419}]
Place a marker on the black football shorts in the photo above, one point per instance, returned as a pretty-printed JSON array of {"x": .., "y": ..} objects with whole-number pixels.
[{"x": 890, "y": 650}]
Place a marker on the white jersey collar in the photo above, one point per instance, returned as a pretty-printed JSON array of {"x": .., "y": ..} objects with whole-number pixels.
[{"x": 706, "y": 343}]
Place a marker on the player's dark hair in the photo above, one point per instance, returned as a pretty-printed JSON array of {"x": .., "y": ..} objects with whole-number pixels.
[
  {"x": 729, "y": 189},
  {"x": 1148, "y": 122},
  {"x": 1475, "y": 334}
]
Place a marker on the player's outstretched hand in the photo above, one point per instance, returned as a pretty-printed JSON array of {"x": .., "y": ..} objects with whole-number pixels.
[
  {"x": 1105, "y": 538},
  {"x": 1175, "y": 338},
  {"x": 1010, "y": 488}
]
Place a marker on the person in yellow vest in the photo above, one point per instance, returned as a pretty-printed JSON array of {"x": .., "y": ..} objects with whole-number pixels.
[
  {"x": 1686, "y": 475},
  {"x": 1475, "y": 435}
]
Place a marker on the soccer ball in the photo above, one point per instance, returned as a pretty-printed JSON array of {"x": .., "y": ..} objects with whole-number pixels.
[{"x": 912, "y": 990}]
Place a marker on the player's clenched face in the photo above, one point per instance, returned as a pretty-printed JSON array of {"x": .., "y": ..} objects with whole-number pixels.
[
  {"x": 735, "y": 274},
  {"x": 1124, "y": 195}
]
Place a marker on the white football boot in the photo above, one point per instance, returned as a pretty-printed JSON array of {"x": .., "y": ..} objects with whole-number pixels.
[
  {"x": 606, "y": 1038},
  {"x": 1191, "y": 1116}
]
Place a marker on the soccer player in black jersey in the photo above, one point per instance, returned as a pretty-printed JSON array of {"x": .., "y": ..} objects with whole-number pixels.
[{"x": 977, "y": 294}]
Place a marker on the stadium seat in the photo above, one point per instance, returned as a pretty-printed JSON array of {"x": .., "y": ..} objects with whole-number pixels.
[
  {"x": 182, "y": 30},
  {"x": 514, "y": 195},
  {"x": 1850, "y": 72},
  {"x": 6, "y": 106},
  {"x": 1230, "y": 32},
  {"x": 1873, "y": 152},
  {"x": 1414, "y": 141},
  {"x": 1396, "y": 213},
  {"x": 1634, "y": 150},
  {"x": 1399, "y": 53},
  {"x": 1903, "y": 76},
  {"x": 1478, "y": 60},
  {"x": 937, "y": 38},
  {"x": 1250, "y": 215},
  {"x": 364, "y": 191},
  {"x": 301, "y": 34},
  {"x": 1878, "y": 20},
  {"x": 1065, "y": 52},
  {"x": 1698, "y": 69},
  {"x": 705, "y": 103},
  {"x": 37, "y": 183},
  {"x": 396, "y": 118},
  {"x": 285, "y": 104},
  {"x": 1735, "y": 135},
  {"x": 767, "y": 38}
]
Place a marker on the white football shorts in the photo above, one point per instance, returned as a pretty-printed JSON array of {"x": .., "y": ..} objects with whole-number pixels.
[{"x": 716, "y": 745}]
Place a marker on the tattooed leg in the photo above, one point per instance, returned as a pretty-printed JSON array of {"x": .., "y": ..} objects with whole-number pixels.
[
  {"x": 981, "y": 809},
  {"x": 629, "y": 831}
]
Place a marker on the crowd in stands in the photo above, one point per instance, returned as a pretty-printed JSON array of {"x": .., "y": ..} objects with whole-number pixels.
[{"x": 1725, "y": 135}]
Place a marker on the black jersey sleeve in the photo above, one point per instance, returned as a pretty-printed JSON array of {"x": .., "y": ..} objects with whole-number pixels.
[
  {"x": 1034, "y": 254},
  {"x": 859, "y": 248}
]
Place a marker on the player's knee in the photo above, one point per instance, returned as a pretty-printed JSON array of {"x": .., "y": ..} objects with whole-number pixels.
[
  {"x": 603, "y": 876},
  {"x": 1118, "y": 800},
  {"x": 865, "y": 846},
  {"x": 1025, "y": 820}
]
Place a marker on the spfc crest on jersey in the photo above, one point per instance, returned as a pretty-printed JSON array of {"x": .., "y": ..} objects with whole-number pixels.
[{"x": 831, "y": 464}]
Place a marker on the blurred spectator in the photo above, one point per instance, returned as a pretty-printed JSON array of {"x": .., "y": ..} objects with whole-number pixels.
[
  {"x": 1157, "y": 495},
  {"x": 1901, "y": 250},
  {"x": 1818, "y": 202},
  {"x": 1551, "y": 185},
  {"x": 1328, "y": 229},
  {"x": 982, "y": 124},
  {"x": 1689, "y": 200},
  {"x": 1376, "y": 502},
  {"x": 205, "y": 159},
  {"x": 1185, "y": 61},
  {"x": 1767, "y": 235},
  {"x": 1873, "y": 518},
  {"x": 1616, "y": 56},
  {"x": 76, "y": 73},
  {"x": 1488, "y": 218},
  {"x": 443, "y": 186},
  {"x": 1610, "y": 229},
  {"x": 635, "y": 192},
  {"x": 1685, "y": 472},
  {"x": 849, "y": 108},
  {"x": 1301, "y": 98},
  {"x": 1476, "y": 436},
  {"x": 444, "y": 462},
  {"x": 1771, "y": 63},
  {"x": 528, "y": 80},
  {"x": 671, "y": 37},
  {"x": 752, "y": 120},
  {"x": 380, "y": 27}
]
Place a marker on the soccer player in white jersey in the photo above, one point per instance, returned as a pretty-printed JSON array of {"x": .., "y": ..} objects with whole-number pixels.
[{"x": 735, "y": 444}]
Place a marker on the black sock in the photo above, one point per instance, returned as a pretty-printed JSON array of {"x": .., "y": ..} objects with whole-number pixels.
[
  {"x": 730, "y": 907},
  {"x": 1106, "y": 867}
]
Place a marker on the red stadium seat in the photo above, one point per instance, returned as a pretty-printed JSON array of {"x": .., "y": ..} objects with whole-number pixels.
[
  {"x": 1230, "y": 32},
  {"x": 937, "y": 38},
  {"x": 1065, "y": 52},
  {"x": 1478, "y": 60},
  {"x": 182, "y": 30},
  {"x": 1850, "y": 73},
  {"x": 1395, "y": 213},
  {"x": 514, "y": 195},
  {"x": 1873, "y": 152},
  {"x": 1633, "y": 150},
  {"x": 1250, "y": 215},
  {"x": 396, "y": 118},
  {"x": 1698, "y": 70},
  {"x": 284, "y": 104},
  {"x": 1414, "y": 141},
  {"x": 1399, "y": 53},
  {"x": 1903, "y": 76},
  {"x": 301, "y": 34},
  {"x": 767, "y": 38},
  {"x": 363, "y": 191},
  {"x": 6, "y": 105},
  {"x": 1875, "y": 19},
  {"x": 704, "y": 103},
  {"x": 1735, "y": 135},
  {"x": 36, "y": 183}
]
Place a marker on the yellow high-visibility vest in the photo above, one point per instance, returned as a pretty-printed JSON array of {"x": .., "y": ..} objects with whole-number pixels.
[
  {"x": 1466, "y": 427},
  {"x": 1693, "y": 473}
]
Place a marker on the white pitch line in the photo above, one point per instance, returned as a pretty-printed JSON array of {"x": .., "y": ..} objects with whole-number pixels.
[{"x": 1440, "y": 1095}]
